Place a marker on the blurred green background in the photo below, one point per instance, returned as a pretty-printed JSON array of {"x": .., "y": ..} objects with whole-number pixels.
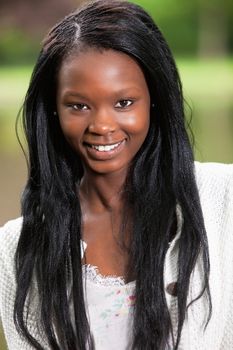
[{"x": 200, "y": 34}]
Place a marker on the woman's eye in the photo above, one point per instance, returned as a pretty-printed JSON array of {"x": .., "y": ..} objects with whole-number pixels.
[
  {"x": 78, "y": 106},
  {"x": 124, "y": 103}
]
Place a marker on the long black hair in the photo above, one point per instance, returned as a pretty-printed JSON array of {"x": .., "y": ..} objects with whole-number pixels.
[{"x": 48, "y": 256}]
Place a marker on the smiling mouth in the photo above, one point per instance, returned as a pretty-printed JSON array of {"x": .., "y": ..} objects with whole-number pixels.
[{"x": 105, "y": 148}]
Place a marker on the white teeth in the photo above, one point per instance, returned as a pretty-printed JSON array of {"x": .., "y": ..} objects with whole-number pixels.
[{"x": 106, "y": 148}]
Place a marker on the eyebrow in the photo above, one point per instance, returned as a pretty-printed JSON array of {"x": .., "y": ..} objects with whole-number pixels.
[
  {"x": 74, "y": 94},
  {"x": 117, "y": 92}
]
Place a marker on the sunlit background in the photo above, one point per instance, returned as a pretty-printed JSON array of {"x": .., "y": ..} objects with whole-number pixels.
[{"x": 200, "y": 34}]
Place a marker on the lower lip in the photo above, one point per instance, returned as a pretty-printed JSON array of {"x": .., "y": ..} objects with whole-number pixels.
[{"x": 105, "y": 155}]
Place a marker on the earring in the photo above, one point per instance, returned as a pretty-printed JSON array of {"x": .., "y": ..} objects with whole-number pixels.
[
  {"x": 55, "y": 113},
  {"x": 152, "y": 105}
]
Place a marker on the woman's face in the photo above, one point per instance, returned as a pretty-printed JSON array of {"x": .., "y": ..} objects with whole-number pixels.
[{"x": 103, "y": 105}]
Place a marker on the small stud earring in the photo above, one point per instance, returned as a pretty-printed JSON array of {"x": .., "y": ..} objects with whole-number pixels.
[
  {"x": 152, "y": 105},
  {"x": 55, "y": 113}
]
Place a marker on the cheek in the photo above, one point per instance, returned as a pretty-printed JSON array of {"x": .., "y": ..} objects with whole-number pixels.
[
  {"x": 138, "y": 124},
  {"x": 72, "y": 132},
  {"x": 70, "y": 128}
]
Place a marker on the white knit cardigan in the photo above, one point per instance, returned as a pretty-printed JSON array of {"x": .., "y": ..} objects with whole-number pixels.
[{"x": 215, "y": 184}]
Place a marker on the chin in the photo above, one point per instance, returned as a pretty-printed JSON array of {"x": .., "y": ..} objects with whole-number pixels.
[{"x": 105, "y": 169}]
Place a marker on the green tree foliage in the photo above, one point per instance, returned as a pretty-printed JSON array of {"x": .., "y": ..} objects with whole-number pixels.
[
  {"x": 16, "y": 47},
  {"x": 194, "y": 27}
]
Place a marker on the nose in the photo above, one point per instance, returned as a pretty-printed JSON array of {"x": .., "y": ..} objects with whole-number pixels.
[{"x": 102, "y": 122}]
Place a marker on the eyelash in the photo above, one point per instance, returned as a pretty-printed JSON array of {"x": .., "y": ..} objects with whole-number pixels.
[
  {"x": 129, "y": 100},
  {"x": 75, "y": 105}
]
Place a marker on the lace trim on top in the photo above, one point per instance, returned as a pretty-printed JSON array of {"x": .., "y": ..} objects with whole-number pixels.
[{"x": 92, "y": 274}]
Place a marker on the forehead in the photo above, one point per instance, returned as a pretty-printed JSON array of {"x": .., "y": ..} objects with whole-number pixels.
[{"x": 106, "y": 68}]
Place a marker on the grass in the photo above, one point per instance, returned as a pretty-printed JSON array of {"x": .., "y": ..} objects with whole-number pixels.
[
  {"x": 13, "y": 85},
  {"x": 2, "y": 341}
]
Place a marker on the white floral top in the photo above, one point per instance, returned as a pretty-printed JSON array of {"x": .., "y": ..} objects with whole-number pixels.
[{"x": 110, "y": 305}]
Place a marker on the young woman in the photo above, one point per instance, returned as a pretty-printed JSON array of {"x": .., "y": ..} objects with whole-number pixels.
[{"x": 124, "y": 241}]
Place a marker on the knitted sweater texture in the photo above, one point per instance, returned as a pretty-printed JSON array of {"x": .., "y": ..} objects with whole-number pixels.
[{"x": 215, "y": 185}]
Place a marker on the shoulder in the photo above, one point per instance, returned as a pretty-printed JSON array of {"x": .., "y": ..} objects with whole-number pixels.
[
  {"x": 215, "y": 179},
  {"x": 9, "y": 236},
  {"x": 215, "y": 186},
  {"x": 213, "y": 172}
]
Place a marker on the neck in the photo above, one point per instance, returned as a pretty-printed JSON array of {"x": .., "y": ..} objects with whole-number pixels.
[{"x": 103, "y": 191}]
